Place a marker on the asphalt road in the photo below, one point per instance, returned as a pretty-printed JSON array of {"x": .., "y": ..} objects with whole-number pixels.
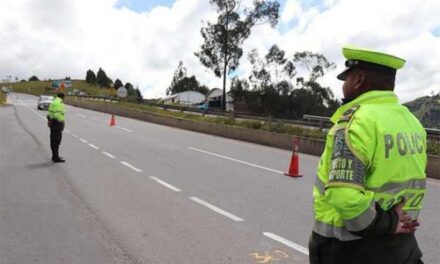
[{"x": 145, "y": 193}]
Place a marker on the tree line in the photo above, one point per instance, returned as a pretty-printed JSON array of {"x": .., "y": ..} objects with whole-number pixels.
[
  {"x": 278, "y": 85},
  {"x": 102, "y": 80}
]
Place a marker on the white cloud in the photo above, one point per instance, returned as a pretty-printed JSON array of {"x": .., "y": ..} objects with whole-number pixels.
[{"x": 57, "y": 38}]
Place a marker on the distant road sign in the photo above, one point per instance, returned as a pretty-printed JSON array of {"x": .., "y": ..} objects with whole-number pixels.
[{"x": 121, "y": 92}]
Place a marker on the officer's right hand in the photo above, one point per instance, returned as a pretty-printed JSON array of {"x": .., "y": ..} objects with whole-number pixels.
[{"x": 405, "y": 223}]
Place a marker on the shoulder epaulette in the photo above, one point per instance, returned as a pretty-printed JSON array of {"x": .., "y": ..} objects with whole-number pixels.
[{"x": 347, "y": 115}]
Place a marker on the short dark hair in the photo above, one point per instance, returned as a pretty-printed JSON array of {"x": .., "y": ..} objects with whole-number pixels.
[
  {"x": 61, "y": 95},
  {"x": 379, "y": 81}
]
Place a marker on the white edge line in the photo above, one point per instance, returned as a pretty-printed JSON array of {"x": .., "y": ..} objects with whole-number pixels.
[
  {"x": 236, "y": 160},
  {"x": 131, "y": 166},
  {"x": 125, "y": 129},
  {"x": 73, "y": 135},
  {"x": 82, "y": 116},
  {"x": 169, "y": 186},
  {"x": 216, "y": 209},
  {"x": 287, "y": 243},
  {"x": 108, "y": 155},
  {"x": 83, "y": 140},
  {"x": 93, "y": 146}
]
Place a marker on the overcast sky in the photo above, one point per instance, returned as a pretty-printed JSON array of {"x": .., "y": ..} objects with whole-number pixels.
[{"x": 142, "y": 41}]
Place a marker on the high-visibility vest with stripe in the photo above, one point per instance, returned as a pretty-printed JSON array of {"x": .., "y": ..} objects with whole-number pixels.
[
  {"x": 375, "y": 153},
  {"x": 56, "y": 110}
]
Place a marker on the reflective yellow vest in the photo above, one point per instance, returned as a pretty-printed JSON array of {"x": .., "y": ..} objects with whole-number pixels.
[
  {"x": 56, "y": 110},
  {"x": 375, "y": 153}
]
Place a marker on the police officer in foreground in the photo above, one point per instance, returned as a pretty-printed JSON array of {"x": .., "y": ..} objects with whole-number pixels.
[
  {"x": 55, "y": 120},
  {"x": 370, "y": 182}
]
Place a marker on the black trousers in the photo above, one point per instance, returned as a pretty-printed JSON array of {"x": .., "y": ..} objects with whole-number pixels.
[
  {"x": 56, "y": 134},
  {"x": 393, "y": 249}
]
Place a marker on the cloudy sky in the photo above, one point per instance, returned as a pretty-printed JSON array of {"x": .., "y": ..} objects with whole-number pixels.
[{"x": 142, "y": 41}]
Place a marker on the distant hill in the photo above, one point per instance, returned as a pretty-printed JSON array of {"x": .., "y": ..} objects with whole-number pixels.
[
  {"x": 45, "y": 87},
  {"x": 427, "y": 110}
]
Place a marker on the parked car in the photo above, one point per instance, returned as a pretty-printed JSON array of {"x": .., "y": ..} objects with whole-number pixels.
[
  {"x": 44, "y": 102},
  {"x": 5, "y": 90}
]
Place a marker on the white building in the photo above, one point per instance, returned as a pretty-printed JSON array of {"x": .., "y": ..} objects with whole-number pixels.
[
  {"x": 215, "y": 96},
  {"x": 186, "y": 98}
]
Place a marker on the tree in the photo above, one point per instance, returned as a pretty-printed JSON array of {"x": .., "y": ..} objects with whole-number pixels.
[
  {"x": 90, "y": 77},
  {"x": 102, "y": 79},
  {"x": 221, "y": 50},
  {"x": 129, "y": 86},
  {"x": 179, "y": 74},
  {"x": 118, "y": 84},
  {"x": 33, "y": 78},
  {"x": 238, "y": 89},
  {"x": 188, "y": 84}
]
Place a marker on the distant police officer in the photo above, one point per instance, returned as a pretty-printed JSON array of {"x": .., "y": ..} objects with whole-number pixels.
[
  {"x": 55, "y": 119},
  {"x": 370, "y": 184}
]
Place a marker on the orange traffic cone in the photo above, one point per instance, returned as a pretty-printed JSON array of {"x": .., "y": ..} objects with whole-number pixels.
[
  {"x": 113, "y": 121},
  {"x": 294, "y": 162}
]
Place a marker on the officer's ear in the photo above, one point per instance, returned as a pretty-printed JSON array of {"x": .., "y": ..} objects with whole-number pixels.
[{"x": 359, "y": 81}]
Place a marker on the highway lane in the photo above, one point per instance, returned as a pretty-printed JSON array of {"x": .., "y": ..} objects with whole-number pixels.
[{"x": 227, "y": 191}]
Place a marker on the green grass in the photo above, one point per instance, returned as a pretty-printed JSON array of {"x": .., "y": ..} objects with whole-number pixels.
[
  {"x": 433, "y": 148},
  {"x": 2, "y": 98},
  {"x": 45, "y": 87}
]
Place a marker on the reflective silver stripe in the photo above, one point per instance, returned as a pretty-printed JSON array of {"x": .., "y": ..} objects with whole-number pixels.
[
  {"x": 395, "y": 187},
  {"x": 327, "y": 230},
  {"x": 320, "y": 185},
  {"x": 363, "y": 220}
]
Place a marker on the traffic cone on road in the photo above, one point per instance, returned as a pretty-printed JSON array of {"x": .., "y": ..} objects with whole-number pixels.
[
  {"x": 294, "y": 162},
  {"x": 113, "y": 121}
]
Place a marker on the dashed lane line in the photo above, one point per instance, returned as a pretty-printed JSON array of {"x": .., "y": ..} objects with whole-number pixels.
[
  {"x": 216, "y": 209},
  {"x": 288, "y": 243},
  {"x": 93, "y": 146},
  {"x": 83, "y": 140},
  {"x": 131, "y": 166},
  {"x": 124, "y": 129},
  {"x": 109, "y": 155},
  {"x": 169, "y": 186},
  {"x": 236, "y": 160}
]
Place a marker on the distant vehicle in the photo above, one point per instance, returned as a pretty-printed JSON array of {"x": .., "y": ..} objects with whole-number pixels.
[
  {"x": 44, "y": 102},
  {"x": 5, "y": 90},
  {"x": 203, "y": 106}
]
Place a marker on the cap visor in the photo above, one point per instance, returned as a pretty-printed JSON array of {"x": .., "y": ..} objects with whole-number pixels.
[{"x": 343, "y": 74}]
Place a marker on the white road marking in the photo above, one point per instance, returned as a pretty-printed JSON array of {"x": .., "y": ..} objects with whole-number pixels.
[
  {"x": 74, "y": 135},
  {"x": 125, "y": 129},
  {"x": 83, "y": 140},
  {"x": 67, "y": 131},
  {"x": 108, "y": 155},
  {"x": 93, "y": 146},
  {"x": 236, "y": 160},
  {"x": 38, "y": 114},
  {"x": 216, "y": 209},
  {"x": 169, "y": 186},
  {"x": 288, "y": 243},
  {"x": 131, "y": 166},
  {"x": 82, "y": 116}
]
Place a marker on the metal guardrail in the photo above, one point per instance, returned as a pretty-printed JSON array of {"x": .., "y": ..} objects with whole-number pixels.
[{"x": 321, "y": 122}]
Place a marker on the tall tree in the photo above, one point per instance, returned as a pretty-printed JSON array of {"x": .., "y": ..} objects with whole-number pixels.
[
  {"x": 118, "y": 84},
  {"x": 33, "y": 78},
  {"x": 188, "y": 84},
  {"x": 90, "y": 77},
  {"x": 222, "y": 48},
  {"x": 179, "y": 74},
  {"x": 102, "y": 79}
]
